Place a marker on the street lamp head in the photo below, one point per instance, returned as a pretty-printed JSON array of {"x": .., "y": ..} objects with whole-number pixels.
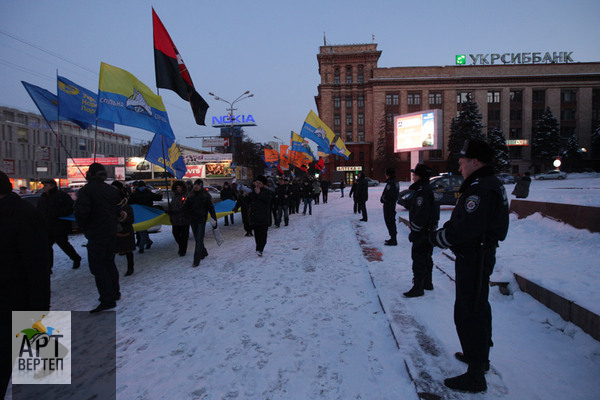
[
  {"x": 252, "y": 95},
  {"x": 247, "y": 91},
  {"x": 210, "y": 93}
]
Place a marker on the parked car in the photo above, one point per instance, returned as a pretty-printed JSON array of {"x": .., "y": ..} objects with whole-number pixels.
[
  {"x": 372, "y": 182},
  {"x": 554, "y": 174},
  {"x": 506, "y": 177},
  {"x": 445, "y": 188}
]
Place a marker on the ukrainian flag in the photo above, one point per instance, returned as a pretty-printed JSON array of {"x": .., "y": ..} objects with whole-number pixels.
[{"x": 125, "y": 100}]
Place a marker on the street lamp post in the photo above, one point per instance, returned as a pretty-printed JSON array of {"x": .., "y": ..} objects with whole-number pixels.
[{"x": 241, "y": 97}]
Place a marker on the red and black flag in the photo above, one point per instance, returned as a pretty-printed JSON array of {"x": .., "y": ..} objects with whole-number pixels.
[{"x": 171, "y": 72}]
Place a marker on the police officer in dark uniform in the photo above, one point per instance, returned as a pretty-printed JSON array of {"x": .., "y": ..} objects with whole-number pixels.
[
  {"x": 424, "y": 214},
  {"x": 479, "y": 221},
  {"x": 389, "y": 197}
]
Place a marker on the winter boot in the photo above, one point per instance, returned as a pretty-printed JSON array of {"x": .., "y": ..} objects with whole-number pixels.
[
  {"x": 473, "y": 381},
  {"x": 391, "y": 242},
  {"x": 461, "y": 357},
  {"x": 129, "y": 264},
  {"x": 428, "y": 285},
  {"x": 417, "y": 289},
  {"x": 77, "y": 263}
]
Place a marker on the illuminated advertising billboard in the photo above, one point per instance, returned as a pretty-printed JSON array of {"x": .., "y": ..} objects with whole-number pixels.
[{"x": 418, "y": 131}]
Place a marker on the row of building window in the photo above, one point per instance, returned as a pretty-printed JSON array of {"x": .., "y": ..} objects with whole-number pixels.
[
  {"x": 393, "y": 99},
  {"x": 360, "y": 75}
]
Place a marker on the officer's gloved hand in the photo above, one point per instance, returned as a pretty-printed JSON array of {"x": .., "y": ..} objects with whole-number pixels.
[{"x": 412, "y": 237}]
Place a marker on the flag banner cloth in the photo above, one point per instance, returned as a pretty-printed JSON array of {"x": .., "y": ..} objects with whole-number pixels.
[
  {"x": 339, "y": 148},
  {"x": 47, "y": 103},
  {"x": 125, "y": 100},
  {"x": 171, "y": 72},
  {"x": 269, "y": 164},
  {"x": 316, "y": 130},
  {"x": 78, "y": 103},
  {"x": 145, "y": 217},
  {"x": 301, "y": 146},
  {"x": 163, "y": 151},
  {"x": 283, "y": 157},
  {"x": 271, "y": 156}
]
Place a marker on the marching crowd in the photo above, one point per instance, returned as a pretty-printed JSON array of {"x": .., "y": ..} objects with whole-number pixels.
[{"x": 104, "y": 213}]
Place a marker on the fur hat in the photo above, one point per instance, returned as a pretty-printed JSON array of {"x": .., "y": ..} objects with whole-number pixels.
[
  {"x": 476, "y": 148},
  {"x": 262, "y": 179},
  {"x": 96, "y": 171},
  {"x": 48, "y": 180},
  {"x": 422, "y": 170},
  {"x": 5, "y": 185}
]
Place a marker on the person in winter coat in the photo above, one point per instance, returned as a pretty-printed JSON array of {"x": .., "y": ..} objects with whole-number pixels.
[
  {"x": 282, "y": 201},
  {"x": 353, "y": 192},
  {"x": 342, "y": 186},
  {"x": 179, "y": 220},
  {"x": 521, "y": 190},
  {"x": 125, "y": 244},
  {"x": 389, "y": 197},
  {"x": 423, "y": 215},
  {"x": 25, "y": 282},
  {"x": 143, "y": 196},
  {"x": 260, "y": 210},
  {"x": 295, "y": 197},
  {"x": 96, "y": 212},
  {"x": 307, "y": 195},
  {"x": 243, "y": 204},
  {"x": 197, "y": 207},
  {"x": 362, "y": 195},
  {"x": 53, "y": 204},
  {"x": 478, "y": 222},
  {"x": 227, "y": 194},
  {"x": 324, "y": 189},
  {"x": 316, "y": 191}
]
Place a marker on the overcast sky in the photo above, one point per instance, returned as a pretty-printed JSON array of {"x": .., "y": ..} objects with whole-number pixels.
[{"x": 267, "y": 47}]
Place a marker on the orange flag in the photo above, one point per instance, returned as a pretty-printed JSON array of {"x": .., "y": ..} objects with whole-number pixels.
[{"x": 271, "y": 155}]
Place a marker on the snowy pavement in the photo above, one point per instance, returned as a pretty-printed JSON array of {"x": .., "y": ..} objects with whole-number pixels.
[{"x": 311, "y": 319}]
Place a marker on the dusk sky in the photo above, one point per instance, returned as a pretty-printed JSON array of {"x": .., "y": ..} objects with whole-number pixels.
[{"x": 267, "y": 47}]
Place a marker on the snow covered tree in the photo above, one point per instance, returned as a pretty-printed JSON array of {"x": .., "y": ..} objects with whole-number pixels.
[
  {"x": 546, "y": 138},
  {"x": 467, "y": 125},
  {"x": 497, "y": 142}
]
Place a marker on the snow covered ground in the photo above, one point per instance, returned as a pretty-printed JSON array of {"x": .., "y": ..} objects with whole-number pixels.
[{"x": 311, "y": 319}]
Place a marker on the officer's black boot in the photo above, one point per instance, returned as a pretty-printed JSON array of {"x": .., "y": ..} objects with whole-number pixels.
[
  {"x": 428, "y": 285},
  {"x": 417, "y": 289},
  {"x": 391, "y": 241},
  {"x": 129, "y": 264},
  {"x": 472, "y": 381}
]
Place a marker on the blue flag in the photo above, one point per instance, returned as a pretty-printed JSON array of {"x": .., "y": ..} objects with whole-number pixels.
[
  {"x": 47, "y": 103},
  {"x": 166, "y": 153},
  {"x": 78, "y": 103}
]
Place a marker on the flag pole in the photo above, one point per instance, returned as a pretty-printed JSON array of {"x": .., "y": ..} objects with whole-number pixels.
[
  {"x": 162, "y": 144},
  {"x": 58, "y": 128}
]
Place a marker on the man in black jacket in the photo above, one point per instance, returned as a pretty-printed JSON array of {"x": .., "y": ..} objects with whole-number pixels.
[
  {"x": 25, "y": 282},
  {"x": 97, "y": 211},
  {"x": 53, "y": 204},
  {"x": 389, "y": 197},
  {"x": 197, "y": 207},
  {"x": 478, "y": 222},
  {"x": 227, "y": 194},
  {"x": 282, "y": 201},
  {"x": 142, "y": 195},
  {"x": 423, "y": 214},
  {"x": 361, "y": 195},
  {"x": 260, "y": 209}
]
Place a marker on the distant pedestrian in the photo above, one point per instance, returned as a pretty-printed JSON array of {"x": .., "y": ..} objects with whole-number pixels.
[
  {"x": 325, "y": 189},
  {"x": 227, "y": 193},
  {"x": 316, "y": 191},
  {"x": 521, "y": 190},
  {"x": 243, "y": 205},
  {"x": 342, "y": 186},
  {"x": 362, "y": 195},
  {"x": 389, "y": 197},
  {"x": 282, "y": 201},
  {"x": 198, "y": 206},
  {"x": 143, "y": 196},
  {"x": 180, "y": 222},
  {"x": 54, "y": 204},
  {"x": 478, "y": 222},
  {"x": 307, "y": 196},
  {"x": 25, "y": 283},
  {"x": 125, "y": 244},
  {"x": 353, "y": 192},
  {"x": 260, "y": 208},
  {"x": 97, "y": 211},
  {"x": 423, "y": 214}
]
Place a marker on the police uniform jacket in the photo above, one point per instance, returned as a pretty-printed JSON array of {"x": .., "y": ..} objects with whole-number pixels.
[
  {"x": 362, "y": 190},
  {"x": 390, "y": 192},
  {"x": 424, "y": 212},
  {"x": 480, "y": 213}
]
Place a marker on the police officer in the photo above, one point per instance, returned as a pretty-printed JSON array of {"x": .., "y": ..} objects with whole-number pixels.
[
  {"x": 389, "y": 196},
  {"x": 424, "y": 214},
  {"x": 478, "y": 222}
]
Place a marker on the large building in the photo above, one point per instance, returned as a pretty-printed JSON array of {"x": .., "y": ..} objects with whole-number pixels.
[
  {"x": 359, "y": 100},
  {"x": 29, "y": 149}
]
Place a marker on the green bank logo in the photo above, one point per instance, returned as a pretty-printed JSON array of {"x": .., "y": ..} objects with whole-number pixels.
[{"x": 461, "y": 59}]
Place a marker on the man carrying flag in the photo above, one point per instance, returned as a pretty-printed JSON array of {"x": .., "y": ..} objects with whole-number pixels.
[{"x": 171, "y": 72}]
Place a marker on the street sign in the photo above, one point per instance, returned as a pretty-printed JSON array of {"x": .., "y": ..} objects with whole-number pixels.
[{"x": 215, "y": 142}]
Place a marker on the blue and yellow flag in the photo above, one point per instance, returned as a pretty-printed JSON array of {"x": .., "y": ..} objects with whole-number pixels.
[
  {"x": 300, "y": 145},
  {"x": 125, "y": 100},
  {"x": 166, "y": 153},
  {"x": 316, "y": 130},
  {"x": 78, "y": 103},
  {"x": 339, "y": 148},
  {"x": 47, "y": 103}
]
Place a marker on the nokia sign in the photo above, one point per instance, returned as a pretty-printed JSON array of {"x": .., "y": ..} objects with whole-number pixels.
[
  {"x": 238, "y": 120},
  {"x": 516, "y": 58}
]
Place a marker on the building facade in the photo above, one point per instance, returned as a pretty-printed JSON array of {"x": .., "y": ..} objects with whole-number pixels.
[
  {"x": 359, "y": 100},
  {"x": 30, "y": 151}
]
